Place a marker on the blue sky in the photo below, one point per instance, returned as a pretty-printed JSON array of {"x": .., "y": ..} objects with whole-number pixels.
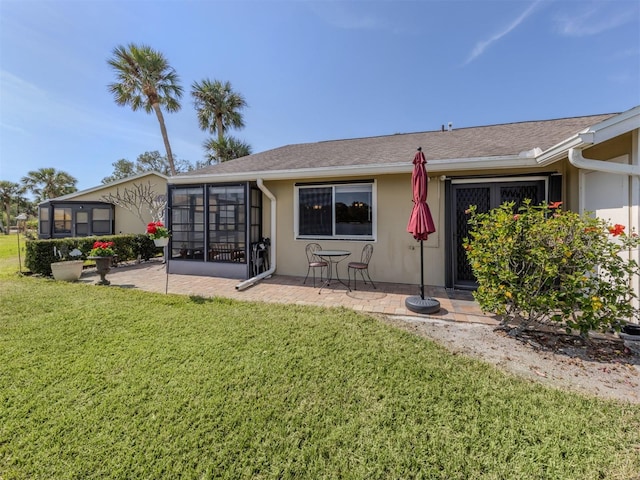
[{"x": 309, "y": 70}]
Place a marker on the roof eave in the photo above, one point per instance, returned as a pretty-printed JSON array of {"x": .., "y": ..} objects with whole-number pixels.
[
  {"x": 443, "y": 165},
  {"x": 593, "y": 135}
]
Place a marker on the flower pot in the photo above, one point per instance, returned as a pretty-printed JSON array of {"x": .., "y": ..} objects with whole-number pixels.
[
  {"x": 103, "y": 266},
  {"x": 67, "y": 271},
  {"x": 161, "y": 242}
]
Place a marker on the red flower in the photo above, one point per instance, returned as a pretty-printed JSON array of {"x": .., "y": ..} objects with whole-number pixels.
[
  {"x": 616, "y": 230},
  {"x": 516, "y": 216},
  {"x": 555, "y": 204},
  {"x": 153, "y": 227},
  {"x": 99, "y": 244}
]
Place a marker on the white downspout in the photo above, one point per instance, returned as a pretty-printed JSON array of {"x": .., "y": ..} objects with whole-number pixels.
[
  {"x": 272, "y": 247},
  {"x": 577, "y": 160}
]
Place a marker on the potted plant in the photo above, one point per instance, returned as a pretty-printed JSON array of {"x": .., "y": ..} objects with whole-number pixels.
[
  {"x": 102, "y": 253},
  {"x": 68, "y": 268},
  {"x": 158, "y": 233}
]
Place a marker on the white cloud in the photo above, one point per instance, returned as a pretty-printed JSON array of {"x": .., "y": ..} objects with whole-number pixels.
[
  {"x": 481, "y": 46},
  {"x": 595, "y": 19}
]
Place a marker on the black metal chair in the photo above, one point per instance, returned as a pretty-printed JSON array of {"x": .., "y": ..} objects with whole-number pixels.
[
  {"x": 313, "y": 262},
  {"x": 362, "y": 266}
]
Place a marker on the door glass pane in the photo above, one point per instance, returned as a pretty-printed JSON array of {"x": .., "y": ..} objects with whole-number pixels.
[
  {"x": 465, "y": 197},
  {"x": 82, "y": 223}
]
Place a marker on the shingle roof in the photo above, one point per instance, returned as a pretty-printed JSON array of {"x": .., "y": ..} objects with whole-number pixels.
[{"x": 472, "y": 142}]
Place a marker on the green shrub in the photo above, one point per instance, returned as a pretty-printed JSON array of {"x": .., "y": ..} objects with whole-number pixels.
[
  {"x": 40, "y": 254},
  {"x": 545, "y": 264}
]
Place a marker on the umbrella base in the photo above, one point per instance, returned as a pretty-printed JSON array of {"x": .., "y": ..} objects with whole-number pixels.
[{"x": 422, "y": 305}]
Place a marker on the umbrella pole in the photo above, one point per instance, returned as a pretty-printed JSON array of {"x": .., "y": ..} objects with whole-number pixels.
[
  {"x": 419, "y": 304},
  {"x": 421, "y": 271}
]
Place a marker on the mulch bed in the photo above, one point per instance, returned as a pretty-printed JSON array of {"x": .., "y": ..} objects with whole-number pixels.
[{"x": 598, "y": 347}]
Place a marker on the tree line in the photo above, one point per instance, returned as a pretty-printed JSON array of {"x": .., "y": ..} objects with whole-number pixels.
[{"x": 144, "y": 81}]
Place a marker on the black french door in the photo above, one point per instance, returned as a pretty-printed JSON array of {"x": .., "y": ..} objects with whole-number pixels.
[{"x": 485, "y": 196}]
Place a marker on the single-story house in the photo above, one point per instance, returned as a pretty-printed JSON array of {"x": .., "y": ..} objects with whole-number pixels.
[
  {"x": 344, "y": 194},
  {"x": 87, "y": 213}
]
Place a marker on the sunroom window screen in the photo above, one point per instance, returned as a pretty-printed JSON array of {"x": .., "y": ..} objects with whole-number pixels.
[
  {"x": 315, "y": 211},
  {"x": 227, "y": 224}
]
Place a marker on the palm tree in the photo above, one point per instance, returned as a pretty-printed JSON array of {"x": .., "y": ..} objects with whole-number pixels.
[
  {"x": 48, "y": 183},
  {"x": 9, "y": 192},
  {"x": 146, "y": 80},
  {"x": 226, "y": 149},
  {"x": 218, "y": 108}
]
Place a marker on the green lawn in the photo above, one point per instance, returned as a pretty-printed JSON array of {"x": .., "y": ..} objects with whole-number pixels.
[{"x": 103, "y": 382}]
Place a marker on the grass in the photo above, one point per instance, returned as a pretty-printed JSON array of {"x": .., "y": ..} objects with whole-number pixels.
[
  {"x": 100, "y": 382},
  {"x": 9, "y": 261}
]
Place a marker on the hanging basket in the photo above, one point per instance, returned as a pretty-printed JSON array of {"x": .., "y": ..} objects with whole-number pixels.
[{"x": 161, "y": 242}]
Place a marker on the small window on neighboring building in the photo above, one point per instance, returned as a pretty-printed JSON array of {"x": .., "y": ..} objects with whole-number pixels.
[
  {"x": 43, "y": 216},
  {"x": 101, "y": 224},
  {"x": 82, "y": 223},
  {"x": 62, "y": 220}
]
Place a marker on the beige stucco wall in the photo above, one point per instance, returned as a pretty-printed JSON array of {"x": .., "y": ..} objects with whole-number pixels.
[
  {"x": 125, "y": 221},
  {"x": 396, "y": 256}
]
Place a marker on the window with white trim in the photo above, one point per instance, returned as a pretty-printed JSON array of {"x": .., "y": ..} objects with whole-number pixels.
[{"x": 340, "y": 211}]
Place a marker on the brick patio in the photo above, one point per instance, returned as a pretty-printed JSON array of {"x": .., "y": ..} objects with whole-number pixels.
[{"x": 387, "y": 298}]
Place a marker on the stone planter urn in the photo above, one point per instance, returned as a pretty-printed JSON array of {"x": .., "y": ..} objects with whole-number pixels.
[
  {"x": 67, "y": 271},
  {"x": 103, "y": 266}
]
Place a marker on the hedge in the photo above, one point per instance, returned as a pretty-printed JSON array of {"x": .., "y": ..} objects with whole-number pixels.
[{"x": 40, "y": 254}]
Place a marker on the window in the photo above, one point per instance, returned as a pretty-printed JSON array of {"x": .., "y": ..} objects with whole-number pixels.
[
  {"x": 43, "y": 216},
  {"x": 62, "y": 220},
  {"x": 341, "y": 211},
  {"x": 82, "y": 224},
  {"x": 101, "y": 221}
]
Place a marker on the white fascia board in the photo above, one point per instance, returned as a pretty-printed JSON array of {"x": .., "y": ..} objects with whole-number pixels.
[
  {"x": 446, "y": 165},
  {"x": 612, "y": 127},
  {"x": 593, "y": 135}
]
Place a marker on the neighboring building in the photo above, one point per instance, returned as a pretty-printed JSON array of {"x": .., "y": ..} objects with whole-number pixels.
[
  {"x": 346, "y": 193},
  {"x": 86, "y": 213}
]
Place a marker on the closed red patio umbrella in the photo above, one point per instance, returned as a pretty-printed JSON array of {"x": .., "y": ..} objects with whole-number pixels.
[{"x": 420, "y": 226}]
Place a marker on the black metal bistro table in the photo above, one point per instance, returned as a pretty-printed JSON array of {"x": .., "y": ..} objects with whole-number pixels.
[{"x": 333, "y": 257}]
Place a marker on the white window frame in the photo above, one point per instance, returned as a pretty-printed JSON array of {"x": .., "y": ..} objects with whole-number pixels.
[{"x": 374, "y": 211}]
